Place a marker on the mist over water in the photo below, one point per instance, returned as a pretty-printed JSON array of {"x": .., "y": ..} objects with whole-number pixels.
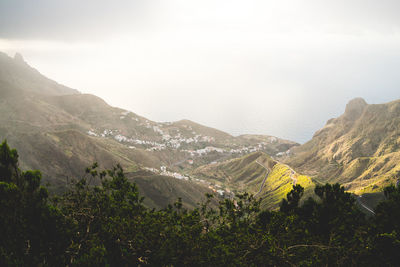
[{"x": 277, "y": 68}]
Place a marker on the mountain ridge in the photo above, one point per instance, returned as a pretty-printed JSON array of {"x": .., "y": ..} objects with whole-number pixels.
[
  {"x": 359, "y": 149},
  {"x": 61, "y": 131},
  {"x": 12, "y": 69},
  {"x": 258, "y": 174}
]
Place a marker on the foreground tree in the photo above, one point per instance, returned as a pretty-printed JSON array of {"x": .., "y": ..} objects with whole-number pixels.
[
  {"x": 385, "y": 244},
  {"x": 101, "y": 221},
  {"x": 31, "y": 230}
]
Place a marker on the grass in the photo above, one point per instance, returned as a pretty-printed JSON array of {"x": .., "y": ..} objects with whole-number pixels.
[
  {"x": 361, "y": 152},
  {"x": 279, "y": 184},
  {"x": 245, "y": 174}
]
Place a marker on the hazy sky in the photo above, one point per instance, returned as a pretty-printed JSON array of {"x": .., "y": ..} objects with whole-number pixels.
[{"x": 270, "y": 67}]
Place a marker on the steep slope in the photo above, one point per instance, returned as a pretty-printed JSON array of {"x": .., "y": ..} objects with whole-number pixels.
[
  {"x": 256, "y": 173},
  {"x": 160, "y": 191},
  {"x": 17, "y": 73},
  {"x": 50, "y": 139},
  {"x": 360, "y": 149},
  {"x": 31, "y": 103},
  {"x": 60, "y": 131},
  {"x": 48, "y": 124}
]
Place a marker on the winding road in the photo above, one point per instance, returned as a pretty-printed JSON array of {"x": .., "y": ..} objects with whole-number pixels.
[
  {"x": 292, "y": 173},
  {"x": 358, "y": 198},
  {"x": 265, "y": 178}
]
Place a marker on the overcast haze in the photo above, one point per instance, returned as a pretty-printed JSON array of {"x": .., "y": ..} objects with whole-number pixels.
[{"x": 281, "y": 68}]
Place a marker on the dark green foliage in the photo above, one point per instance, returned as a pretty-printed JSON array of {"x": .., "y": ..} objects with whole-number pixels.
[
  {"x": 292, "y": 199},
  {"x": 386, "y": 242},
  {"x": 101, "y": 221},
  {"x": 331, "y": 228},
  {"x": 32, "y": 231}
]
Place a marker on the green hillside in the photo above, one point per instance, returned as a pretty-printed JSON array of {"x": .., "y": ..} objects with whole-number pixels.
[
  {"x": 101, "y": 220},
  {"x": 256, "y": 173},
  {"x": 360, "y": 149}
]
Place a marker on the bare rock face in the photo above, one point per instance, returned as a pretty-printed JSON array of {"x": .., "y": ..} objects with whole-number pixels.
[{"x": 355, "y": 108}]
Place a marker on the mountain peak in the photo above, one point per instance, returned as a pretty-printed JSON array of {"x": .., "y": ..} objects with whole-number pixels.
[
  {"x": 29, "y": 79},
  {"x": 354, "y": 108},
  {"x": 18, "y": 58}
]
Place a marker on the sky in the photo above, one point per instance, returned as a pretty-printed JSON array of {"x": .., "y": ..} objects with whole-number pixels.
[{"x": 279, "y": 68}]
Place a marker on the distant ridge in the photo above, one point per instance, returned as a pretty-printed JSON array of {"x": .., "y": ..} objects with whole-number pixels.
[
  {"x": 360, "y": 149},
  {"x": 60, "y": 131},
  {"x": 17, "y": 72}
]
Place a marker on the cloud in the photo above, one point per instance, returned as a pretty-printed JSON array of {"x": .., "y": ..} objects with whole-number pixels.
[
  {"x": 67, "y": 20},
  {"x": 273, "y": 67},
  {"x": 98, "y": 19}
]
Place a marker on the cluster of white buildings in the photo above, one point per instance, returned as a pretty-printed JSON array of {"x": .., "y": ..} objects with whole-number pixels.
[
  {"x": 157, "y": 147},
  {"x": 105, "y": 133},
  {"x": 286, "y": 153},
  {"x": 204, "y": 151},
  {"x": 158, "y": 130},
  {"x": 249, "y": 149},
  {"x": 108, "y": 132},
  {"x": 175, "y": 175},
  {"x": 163, "y": 171},
  {"x": 176, "y": 142},
  {"x": 92, "y": 133},
  {"x": 152, "y": 169},
  {"x": 215, "y": 188}
]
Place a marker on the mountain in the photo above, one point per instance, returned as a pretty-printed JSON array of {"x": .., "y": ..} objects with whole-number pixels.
[
  {"x": 256, "y": 173},
  {"x": 61, "y": 131},
  {"x": 360, "y": 149},
  {"x": 161, "y": 190},
  {"x": 15, "y": 73}
]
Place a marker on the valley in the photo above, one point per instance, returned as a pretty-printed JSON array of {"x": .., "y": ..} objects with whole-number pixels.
[{"x": 60, "y": 131}]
